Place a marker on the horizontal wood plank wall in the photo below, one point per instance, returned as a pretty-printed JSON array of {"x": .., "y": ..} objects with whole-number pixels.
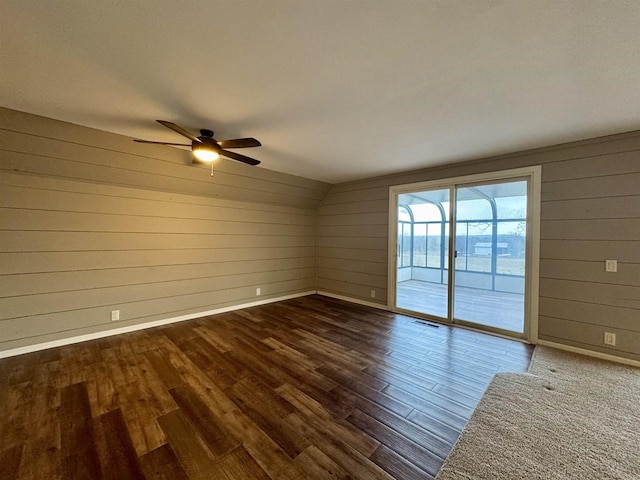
[
  {"x": 590, "y": 212},
  {"x": 91, "y": 222}
]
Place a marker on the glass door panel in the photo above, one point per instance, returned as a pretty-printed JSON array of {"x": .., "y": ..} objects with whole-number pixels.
[
  {"x": 423, "y": 252},
  {"x": 490, "y": 245}
]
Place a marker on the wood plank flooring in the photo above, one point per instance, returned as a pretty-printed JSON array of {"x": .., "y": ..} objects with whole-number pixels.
[{"x": 309, "y": 388}]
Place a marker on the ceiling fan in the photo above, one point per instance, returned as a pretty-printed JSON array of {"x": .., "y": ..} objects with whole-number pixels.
[{"x": 205, "y": 148}]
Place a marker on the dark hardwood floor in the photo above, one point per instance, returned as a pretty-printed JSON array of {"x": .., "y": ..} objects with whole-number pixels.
[{"x": 307, "y": 388}]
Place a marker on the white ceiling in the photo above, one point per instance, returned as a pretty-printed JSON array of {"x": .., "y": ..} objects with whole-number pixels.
[{"x": 335, "y": 90}]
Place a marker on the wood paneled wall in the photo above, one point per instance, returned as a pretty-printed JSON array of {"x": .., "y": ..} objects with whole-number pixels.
[
  {"x": 590, "y": 212},
  {"x": 92, "y": 222}
]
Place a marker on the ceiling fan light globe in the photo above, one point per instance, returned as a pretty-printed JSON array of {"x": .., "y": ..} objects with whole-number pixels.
[{"x": 205, "y": 154}]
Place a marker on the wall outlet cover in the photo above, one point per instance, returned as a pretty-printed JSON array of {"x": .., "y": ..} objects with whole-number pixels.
[
  {"x": 373, "y": 294},
  {"x": 611, "y": 265},
  {"x": 258, "y": 291},
  {"x": 609, "y": 338},
  {"x": 115, "y": 315}
]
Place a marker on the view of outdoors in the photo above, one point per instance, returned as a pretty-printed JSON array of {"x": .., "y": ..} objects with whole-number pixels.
[
  {"x": 424, "y": 246},
  {"x": 490, "y": 244}
]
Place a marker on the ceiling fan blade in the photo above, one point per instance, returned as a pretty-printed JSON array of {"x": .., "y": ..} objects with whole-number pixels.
[
  {"x": 163, "y": 143},
  {"x": 240, "y": 158},
  {"x": 240, "y": 143},
  {"x": 179, "y": 129}
]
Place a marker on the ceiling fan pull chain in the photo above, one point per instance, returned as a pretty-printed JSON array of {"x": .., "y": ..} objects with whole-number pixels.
[{"x": 212, "y": 169}]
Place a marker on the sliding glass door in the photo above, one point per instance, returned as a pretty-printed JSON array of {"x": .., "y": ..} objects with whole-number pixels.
[
  {"x": 490, "y": 245},
  {"x": 486, "y": 225},
  {"x": 423, "y": 252}
]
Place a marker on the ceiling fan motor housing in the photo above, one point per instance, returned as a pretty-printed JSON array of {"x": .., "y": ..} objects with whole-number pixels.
[{"x": 206, "y": 142}]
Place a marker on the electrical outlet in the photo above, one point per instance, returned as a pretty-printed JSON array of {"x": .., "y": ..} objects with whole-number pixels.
[
  {"x": 258, "y": 291},
  {"x": 115, "y": 315},
  {"x": 611, "y": 265},
  {"x": 609, "y": 338},
  {"x": 373, "y": 294}
]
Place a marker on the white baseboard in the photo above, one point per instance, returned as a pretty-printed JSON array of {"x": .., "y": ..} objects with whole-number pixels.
[
  {"x": 590, "y": 353},
  {"x": 353, "y": 300},
  {"x": 141, "y": 326}
]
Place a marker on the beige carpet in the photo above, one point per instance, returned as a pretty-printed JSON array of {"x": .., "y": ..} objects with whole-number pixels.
[{"x": 570, "y": 417}]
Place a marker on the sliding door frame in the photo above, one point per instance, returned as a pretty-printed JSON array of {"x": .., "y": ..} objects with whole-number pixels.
[{"x": 532, "y": 261}]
